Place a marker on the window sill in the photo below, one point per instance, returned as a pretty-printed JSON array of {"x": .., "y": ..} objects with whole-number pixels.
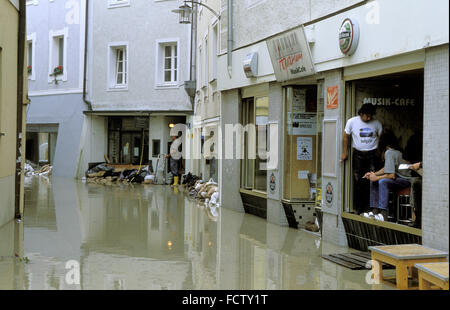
[
  {"x": 117, "y": 88},
  {"x": 167, "y": 86},
  {"x": 121, "y": 5},
  {"x": 253, "y": 192}
]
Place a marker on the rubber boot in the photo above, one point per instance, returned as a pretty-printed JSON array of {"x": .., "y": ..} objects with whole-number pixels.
[{"x": 175, "y": 181}]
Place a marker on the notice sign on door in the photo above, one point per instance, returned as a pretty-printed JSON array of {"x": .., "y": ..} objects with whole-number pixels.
[
  {"x": 332, "y": 97},
  {"x": 304, "y": 148}
]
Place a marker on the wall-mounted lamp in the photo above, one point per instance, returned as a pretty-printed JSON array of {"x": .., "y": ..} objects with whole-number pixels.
[
  {"x": 185, "y": 12},
  {"x": 171, "y": 125}
]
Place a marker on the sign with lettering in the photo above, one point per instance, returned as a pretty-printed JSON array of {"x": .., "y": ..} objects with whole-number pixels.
[
  {"x": 332, "y": 97},
  {"x": 349, "y": 36},
  {"x": 401, "y": 102},
  {"x": 302, "y": 124},
  {"x": 290, "y": 55}
]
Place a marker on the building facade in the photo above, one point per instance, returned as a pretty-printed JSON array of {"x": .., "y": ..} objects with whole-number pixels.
[
  {"x": 12, "y": 108},
  {"x": 135, "y": 81},
  {"x": 299, "y": 75},
  {"x": 56, "y": 46}
]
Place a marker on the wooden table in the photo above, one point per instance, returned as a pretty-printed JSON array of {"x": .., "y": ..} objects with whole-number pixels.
[
  {"x": 403, "y": 257},
  {"x": 433, "y": 274}
]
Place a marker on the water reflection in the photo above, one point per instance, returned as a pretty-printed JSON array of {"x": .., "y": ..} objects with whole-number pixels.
[{"x": 148, "y": 237}]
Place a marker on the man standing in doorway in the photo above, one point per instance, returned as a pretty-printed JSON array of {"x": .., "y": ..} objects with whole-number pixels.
[
  {"x": 364, "y": 132},
  {"x": 174, "y": 158}
]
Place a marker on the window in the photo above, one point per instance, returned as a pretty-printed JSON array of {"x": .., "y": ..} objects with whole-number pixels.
[
  {"x": 205, "y": 63},
  {"x": 31, "y": 43},
  {"x": 118, "y": 3},
  {"x": 58, "y": 55},
  {"x": 255, "y": 112},
  {"x": 223, "y": 26},
  {"x": 199, "y": 66},
  {"x": 170, "y": 63},
  {"x": 215, "y": 51},
  {"x": 118, "y": 66},
  {"x": 167, "y": 69}
]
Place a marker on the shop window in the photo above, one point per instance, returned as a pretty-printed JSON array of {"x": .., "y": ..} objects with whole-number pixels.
[
  {"x": 398, "y": 99},
  {"x": 255, "y": 113},
  {"x": 302, "y": 149}
]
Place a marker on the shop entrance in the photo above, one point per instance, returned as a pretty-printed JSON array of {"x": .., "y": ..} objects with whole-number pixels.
[
  {"x": 398, "y": 99},
  {"x": 128, "y": 140}
]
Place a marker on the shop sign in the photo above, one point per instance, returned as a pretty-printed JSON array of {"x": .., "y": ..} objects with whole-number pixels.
[
  {"x": 349, "y": 36},
  {"x": 290, "y": 55},
  {"x": 401, "y": 102},
  {"x": 332, "y": 97},
  {"x": 329, "y": 194},
  {"x": 273, "y": 183}
]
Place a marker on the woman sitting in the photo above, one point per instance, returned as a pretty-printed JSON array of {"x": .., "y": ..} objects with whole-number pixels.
[{"x": 388, "y": 178}]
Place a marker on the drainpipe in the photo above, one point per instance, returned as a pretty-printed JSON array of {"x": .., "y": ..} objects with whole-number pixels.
[
  {"x": 230, "y": 37},
  {"x": 88, "y": 103},
  {"x": 20, "y": 158}
]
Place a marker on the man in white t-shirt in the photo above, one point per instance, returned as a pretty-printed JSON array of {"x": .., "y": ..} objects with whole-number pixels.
[{"x": 364, "y": 132}]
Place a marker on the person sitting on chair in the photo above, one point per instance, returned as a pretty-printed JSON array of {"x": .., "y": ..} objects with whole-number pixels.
[{"x": 387, "y": 178}]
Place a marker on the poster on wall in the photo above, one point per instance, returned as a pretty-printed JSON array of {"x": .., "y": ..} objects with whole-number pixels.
[
  {"x": 302, "y": 124},
  {"x": 304, "y": 148},
  {"x": 299, "y": 100},
  {"x": 332, "y": 97}
]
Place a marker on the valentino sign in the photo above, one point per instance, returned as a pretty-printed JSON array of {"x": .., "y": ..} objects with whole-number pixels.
[
  {"x": 349, "y": 36},
  {"x": 290, "y": 55}
]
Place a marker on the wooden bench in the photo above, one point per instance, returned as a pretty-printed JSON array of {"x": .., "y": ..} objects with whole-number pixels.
[
  {"x": 433, "y": 274},
  {"x": 403, "y": 257}
]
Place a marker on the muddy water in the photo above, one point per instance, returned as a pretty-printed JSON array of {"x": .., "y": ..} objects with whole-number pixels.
[{"x": 89, "y": 236}]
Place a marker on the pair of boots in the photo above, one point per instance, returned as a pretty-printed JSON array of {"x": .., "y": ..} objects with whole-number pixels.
[{"x": 175, "y": 181}]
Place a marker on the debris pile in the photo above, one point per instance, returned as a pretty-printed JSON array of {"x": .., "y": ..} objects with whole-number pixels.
[
  {"x": 207, "y": 192},
  {"x": 34, "y": 171},
  {"x": 109, "y": 175}
]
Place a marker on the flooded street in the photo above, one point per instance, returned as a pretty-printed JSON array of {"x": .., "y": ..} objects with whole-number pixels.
[{"x": 148, "y": 237}]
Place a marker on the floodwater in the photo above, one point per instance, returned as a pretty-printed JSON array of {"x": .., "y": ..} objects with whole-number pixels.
[{"x": 146, "y": 237}]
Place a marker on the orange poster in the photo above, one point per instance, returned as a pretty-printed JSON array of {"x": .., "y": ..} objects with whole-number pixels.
[{"x": 332, "y": 97}]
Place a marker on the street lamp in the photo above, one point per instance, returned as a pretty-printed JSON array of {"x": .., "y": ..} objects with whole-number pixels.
[{"x": 185, "y": 11}]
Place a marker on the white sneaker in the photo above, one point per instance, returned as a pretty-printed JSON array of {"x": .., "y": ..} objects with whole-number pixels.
[
  {"x": 369, "y": 215},
  {"x": 379, "y": 217}
]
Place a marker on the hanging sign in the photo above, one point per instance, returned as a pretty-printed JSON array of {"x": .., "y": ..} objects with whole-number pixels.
[
  {"x": 349, "y": 36},
  {"x": 290, "y": 55},
  {"x": 332, "y": 97}
]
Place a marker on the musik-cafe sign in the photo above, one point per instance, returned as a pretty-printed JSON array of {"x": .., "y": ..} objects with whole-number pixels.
[
  {"x": 400, "y": 102},
  {"x": 290, "y": 55}
]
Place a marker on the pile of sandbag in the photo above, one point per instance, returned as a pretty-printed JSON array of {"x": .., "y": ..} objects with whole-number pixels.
[
  {"x": 207, "y": 192},
  {"x": 109, "y": 175}
]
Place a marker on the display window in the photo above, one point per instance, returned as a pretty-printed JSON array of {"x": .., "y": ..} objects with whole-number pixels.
[
  {"x": 255, "y": 111},
  {"x": 302, "y": 143},
  {"x": 396, "y": 190}
]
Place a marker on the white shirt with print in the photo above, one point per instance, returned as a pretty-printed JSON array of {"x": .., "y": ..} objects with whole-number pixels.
[{"x": 364, "y": 135}]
